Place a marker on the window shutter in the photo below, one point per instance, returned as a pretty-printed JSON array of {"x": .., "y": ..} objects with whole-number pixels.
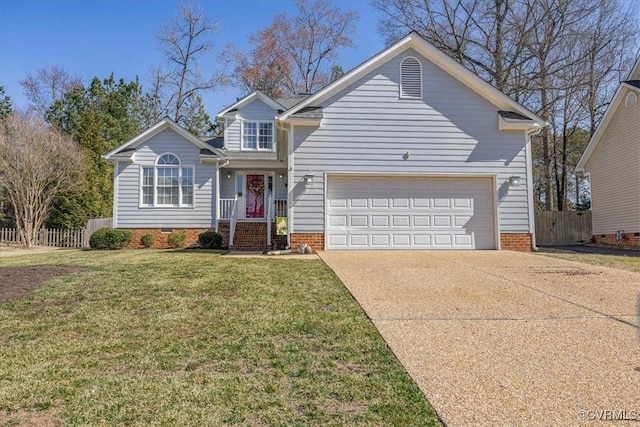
[{"x": 410, "y": 78}]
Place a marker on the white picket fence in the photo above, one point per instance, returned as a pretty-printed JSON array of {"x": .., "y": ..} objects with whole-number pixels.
[{"x": 58, "y": 237}]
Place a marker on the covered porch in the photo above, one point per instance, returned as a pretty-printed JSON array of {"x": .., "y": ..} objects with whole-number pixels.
[{"x": 248, "y": 204}]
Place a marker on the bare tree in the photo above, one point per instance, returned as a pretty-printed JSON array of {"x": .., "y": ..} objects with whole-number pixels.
[
  {"x": 560, "y": 58},
  {"x": 184, "y": 41},
  {"x": 48, "y": 85},
  {"x": 296, "y": 54},
  {"x": 37, "y": 163}
]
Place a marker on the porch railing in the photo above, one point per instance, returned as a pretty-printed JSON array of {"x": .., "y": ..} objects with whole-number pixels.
[
  {"x": 269, "y": 218},
  {"x": 233, "y": 215},
  {"x": 226, "y": 207},
  {"x": 280, "y": 207}
]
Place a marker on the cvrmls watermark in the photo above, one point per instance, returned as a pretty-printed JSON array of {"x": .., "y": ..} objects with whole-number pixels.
[{"x": 609, "y": 415}]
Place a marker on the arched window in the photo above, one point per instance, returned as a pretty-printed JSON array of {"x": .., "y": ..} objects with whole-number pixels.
[
  {"x": 167, "y": 184},
  {"x": 168, "y": 159},
  {"x": 410, "y": 78},
  {"x": 631, "y": 99}
]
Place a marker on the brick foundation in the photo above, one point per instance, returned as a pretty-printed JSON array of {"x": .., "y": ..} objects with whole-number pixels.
[
  {"x": 629, "y": 240},
  {"x": 160, "y": 237},
  {"x": 251, "y": 236},
  {"x": 515, "y": 242},
  {"x": 314, "y": 240}
]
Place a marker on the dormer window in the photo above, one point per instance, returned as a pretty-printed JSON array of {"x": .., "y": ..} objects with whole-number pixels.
[
  {"x": 410, "y": 78},
  {"x": 257, "y": 135}
]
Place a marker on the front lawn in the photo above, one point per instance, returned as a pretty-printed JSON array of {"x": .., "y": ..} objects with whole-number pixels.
[
  {"x": 195, "y": 338},
  {"x": 613, "y": 261}
]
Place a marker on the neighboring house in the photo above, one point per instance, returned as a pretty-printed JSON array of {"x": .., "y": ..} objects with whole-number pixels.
[
  {"x": 409, "y": 150},
  {"x": 612, "y": 162}
]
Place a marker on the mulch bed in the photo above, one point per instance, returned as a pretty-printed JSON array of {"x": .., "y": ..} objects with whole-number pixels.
[{"x": 17, "y": 282}]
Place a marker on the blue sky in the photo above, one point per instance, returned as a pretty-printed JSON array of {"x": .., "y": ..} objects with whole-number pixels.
[{"x": 96, "y": 37}]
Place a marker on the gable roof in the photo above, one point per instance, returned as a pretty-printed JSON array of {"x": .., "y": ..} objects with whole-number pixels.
[
  {"x": 166, "y": 123},
  {"x": 611, "y": 109},
  {"x": 250, "y": 98},
  {"x": 433, "y": 54}
]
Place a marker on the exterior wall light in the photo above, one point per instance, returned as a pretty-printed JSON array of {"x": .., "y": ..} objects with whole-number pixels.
[
  {"x": 514, "y": 181},
  {"x": 280, "y": 176},
  {"x": 308, "y": 180},
  {"x": 228, "y": 175}
]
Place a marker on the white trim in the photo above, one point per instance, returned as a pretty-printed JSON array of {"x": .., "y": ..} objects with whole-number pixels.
[
  {"x": 496, "y": 209},
  {"x": 431, "y": 53},
  {"x": 242, "y": 214},
  {"x": 116, "y": 183},
  {"x": 216, "y": 199},
  {"x": 155, "y": 168},
  {"x": 514, "y": 124},
  {"x": 305, "y": 121},
  {"x": 627, "y": 100},
  {"x": 492, "y": 177},
  {"x": 529, "y": 166},
  {"x": 402, "y": 79},
  {"x": 290, "y": 180},
  {"x": 249, "y": 99},
  {"x": 167, "y": 165},
  {"x": 258, "y": 122},
  {"x": 154, "y": 130}
]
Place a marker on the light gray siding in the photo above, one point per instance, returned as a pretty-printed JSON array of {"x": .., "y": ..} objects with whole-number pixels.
[
  {"x": 131, "y": 215},
  {"x": 614, "y": 169},
  {"x": 368, "y": 128},
  {"x": 256, "y": 110}
]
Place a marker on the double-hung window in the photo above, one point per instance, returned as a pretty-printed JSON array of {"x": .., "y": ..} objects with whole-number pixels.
[
  {"x": 167, "y": 184},
  {"x": 257, "y": 135}
]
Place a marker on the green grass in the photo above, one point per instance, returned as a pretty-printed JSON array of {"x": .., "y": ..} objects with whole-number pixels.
[
  {"x": 614, "y": 261},
  {"x": 195, "y": 338}
]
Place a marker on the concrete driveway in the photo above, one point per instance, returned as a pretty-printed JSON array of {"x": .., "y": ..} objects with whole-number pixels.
[{"x": 506, "y": 338}]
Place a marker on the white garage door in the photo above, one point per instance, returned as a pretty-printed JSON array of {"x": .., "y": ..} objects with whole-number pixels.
[{"x": 410, "y": 213}]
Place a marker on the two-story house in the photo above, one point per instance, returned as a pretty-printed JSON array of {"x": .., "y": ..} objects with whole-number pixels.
[{"x": 410, "y": 150}]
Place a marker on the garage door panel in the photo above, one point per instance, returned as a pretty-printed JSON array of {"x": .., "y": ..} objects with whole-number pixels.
[
  {"x": 379, "y": 220},
  {"x": 442, "y": 240},
  {"x": 397, "y": 213},
  {"x": 440, "y": 203},
  {"x": 401, "y": 239},
  {"x": 338, "y": 220},
  {"x": 400, "y": 220},
  {"x": 441, "y": 221},
  {"x": 361, "y": 240},
  {"x": 421, "y": 221},
  {"x": 422, "y": 240},
  {"x": 420, "y": 202},
  {"x": 380, "y": 240},
  {"x": 359, "y": 221},
  {"x": 379, "y": 203}
]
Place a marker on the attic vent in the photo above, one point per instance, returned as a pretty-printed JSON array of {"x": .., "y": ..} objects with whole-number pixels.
[
  {"x": 410, "y": 78},
  {"x": 632, "y": 98}
]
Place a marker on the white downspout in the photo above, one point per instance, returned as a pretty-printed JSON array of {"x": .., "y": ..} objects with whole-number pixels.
[
  {"x": 532, "y": 222},
  {"x": 217, "y": 200}
]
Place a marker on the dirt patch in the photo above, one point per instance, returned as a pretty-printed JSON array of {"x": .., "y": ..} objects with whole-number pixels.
[{"x": 17, "y": 282}]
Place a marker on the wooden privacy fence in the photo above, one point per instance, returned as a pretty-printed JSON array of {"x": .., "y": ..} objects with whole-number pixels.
[
  {"x": 563, "y": 228},
  {"x": 57, "y": 237}
]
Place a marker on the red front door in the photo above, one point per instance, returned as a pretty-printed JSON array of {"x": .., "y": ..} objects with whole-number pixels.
[{"x": 255, "y": 191}]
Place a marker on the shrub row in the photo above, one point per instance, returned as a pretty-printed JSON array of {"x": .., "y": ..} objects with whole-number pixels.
[{"x": 108, "y": 238}]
